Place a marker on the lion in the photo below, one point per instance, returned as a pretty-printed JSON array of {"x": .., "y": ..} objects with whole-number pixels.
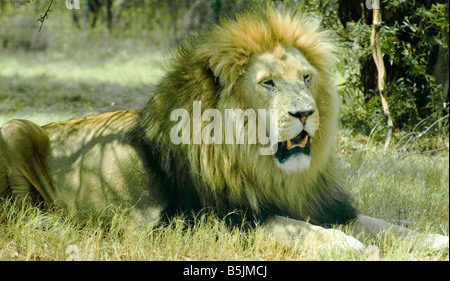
[{"x": 262, "y": 59}]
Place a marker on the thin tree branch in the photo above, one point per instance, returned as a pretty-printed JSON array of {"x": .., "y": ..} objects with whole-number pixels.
[
  {"x": 375, "y": 45},
  {"x": 45, "y": 16},
  {"x": 424, "y": 152},
  {"x": 416, "y": 135},
  {"x": 412, "y": 133},
  {"x": 437, "y": 121}
]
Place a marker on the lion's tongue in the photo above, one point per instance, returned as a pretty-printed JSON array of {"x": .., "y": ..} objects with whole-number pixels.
[{"x": 298, "y": 141}]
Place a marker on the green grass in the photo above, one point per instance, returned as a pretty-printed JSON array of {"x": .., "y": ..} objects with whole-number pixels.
[
  {"x": 91, "y": 71},
  {"x": 58, "y": 90},
  {"x": 412, "y": 191}
]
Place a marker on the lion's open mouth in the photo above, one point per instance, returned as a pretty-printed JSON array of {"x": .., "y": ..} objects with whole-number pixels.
[{"x": 299, "y": 144}]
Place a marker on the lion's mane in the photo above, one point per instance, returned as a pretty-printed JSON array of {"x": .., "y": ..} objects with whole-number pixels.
[{"x": 208, "y": 67}]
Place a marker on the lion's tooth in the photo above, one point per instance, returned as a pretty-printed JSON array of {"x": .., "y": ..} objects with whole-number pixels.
[
  {"x": 304, "y": 141},
  {"x": 289, "y": 144}
]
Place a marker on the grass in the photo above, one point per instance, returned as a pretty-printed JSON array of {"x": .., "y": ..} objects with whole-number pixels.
[
  {"x": 43, "y": 88},
  {"x": 27, "y": 233},
  {"x": 86, "y": 71}
]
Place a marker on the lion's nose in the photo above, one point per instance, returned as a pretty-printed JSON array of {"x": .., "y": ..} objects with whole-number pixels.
[{"x": 302, "y": 115}]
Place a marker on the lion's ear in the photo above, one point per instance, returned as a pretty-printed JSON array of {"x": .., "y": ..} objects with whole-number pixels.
[
  {"x": 207, "y": 60},
  {"x": 226, "y": 61},
  {"x": 213, "y": 76},
  {"x": 228, "y": 67}
]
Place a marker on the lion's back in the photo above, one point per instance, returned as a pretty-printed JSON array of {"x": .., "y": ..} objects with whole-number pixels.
[{"x": 94, "y": 165}]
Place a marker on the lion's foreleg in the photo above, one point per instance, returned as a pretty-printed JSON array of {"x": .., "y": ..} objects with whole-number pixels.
[
  {"x": 296, "y": 233},
  {"x": 365, "y": 225}
]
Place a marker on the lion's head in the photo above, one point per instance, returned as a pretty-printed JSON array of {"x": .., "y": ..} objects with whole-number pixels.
[
  {"x": 283, "y": 79},
  {"x": 263, "y": 60},
  {"x": 278, "y": 60}
]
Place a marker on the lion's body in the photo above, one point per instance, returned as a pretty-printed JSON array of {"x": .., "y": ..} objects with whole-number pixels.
[
  {"x": 90, "y": 163},
  {"x": 261, "y": 60},
  {"x": 93, "y": 164}
]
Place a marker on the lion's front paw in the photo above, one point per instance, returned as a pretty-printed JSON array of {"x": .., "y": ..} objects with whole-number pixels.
[
  {"x": 432, "y": 242},
  {"x": 345, "y": 241},
  {"x": 439, "y": 242},
  {"x": 336, "y": 239}
]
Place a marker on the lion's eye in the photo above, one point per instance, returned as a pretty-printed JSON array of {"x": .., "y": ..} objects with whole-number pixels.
[
  {"x": 307, "y": 79},
  {"x": 268, "y": 83}
]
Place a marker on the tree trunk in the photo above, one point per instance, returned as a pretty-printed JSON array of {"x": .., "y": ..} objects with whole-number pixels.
[
  {"x": 109, "y": 16},
  {"x": 378, "y": 58}
]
